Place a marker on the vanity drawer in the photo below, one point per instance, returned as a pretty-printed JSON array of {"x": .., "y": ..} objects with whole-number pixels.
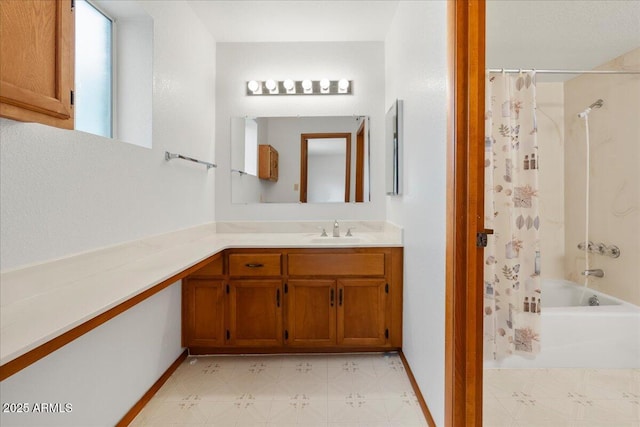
[
  {"x": 255, "y": 264},
  {"x": 337, "y": 264}
]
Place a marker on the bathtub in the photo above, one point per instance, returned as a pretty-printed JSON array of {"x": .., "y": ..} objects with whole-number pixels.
[{"x": 575, "y": 335}]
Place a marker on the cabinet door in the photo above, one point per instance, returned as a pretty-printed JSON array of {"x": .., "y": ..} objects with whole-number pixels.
[
  {"x": 255, "y": 313},
  {"x": 274, "y": 165},
  {"x": 362, "y": 312},
  {"x": 36, "y": 70},
  {"x": 267, "y": 162},
  {"x": 311, "y": 313},
  {"x": 203, "y": 313}
]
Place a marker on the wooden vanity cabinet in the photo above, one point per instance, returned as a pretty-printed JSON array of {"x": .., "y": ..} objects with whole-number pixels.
[
  {"x": 288, "y": 300},
  {"x": 363, "y": 312},
  {"x": 311, "y": 313},
  {"x": 255, "y": 313},
  {"x": 356, "y": 299},
  {"x": 255, "y": 298},
  {"x": 203, "y": 307}
]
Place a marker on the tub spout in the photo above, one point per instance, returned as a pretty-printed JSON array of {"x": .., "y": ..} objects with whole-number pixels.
[{"x": 595, "y": 273}]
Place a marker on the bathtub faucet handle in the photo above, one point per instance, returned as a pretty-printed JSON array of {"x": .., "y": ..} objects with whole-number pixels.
[
  {"x": 613, "y": 251},
  {"x": 586, "y": 245}
]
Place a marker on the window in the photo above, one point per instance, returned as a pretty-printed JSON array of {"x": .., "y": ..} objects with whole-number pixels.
[
  {"x": 94, "y": 70},
  {"x": 251, "y": 147},
  {"x": 114, "y": 70}
]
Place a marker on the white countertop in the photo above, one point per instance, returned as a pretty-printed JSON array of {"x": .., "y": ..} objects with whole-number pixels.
[{"x": 41, "y": 302}]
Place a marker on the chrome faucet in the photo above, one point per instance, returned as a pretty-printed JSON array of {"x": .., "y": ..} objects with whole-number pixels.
[
  {"x": 336, "y": 229},
  {"x": 595, "y": 273}
]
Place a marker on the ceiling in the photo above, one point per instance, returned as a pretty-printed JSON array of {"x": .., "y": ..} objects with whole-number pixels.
[
  {"x": 296, "y": 21},
  {"x": 558, "y": 34}
]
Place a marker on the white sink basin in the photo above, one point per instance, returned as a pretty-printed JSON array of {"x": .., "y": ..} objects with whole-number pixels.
[{"x": 337, "y": 240}]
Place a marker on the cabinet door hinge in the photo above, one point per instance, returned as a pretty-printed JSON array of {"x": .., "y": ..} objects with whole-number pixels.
[
  {"x": 286, "y": 334},
  {"x": 228, "y": 335},
  {"x": 386, "y": 333},
  {"x": 386, "y": 288},
  {"x": 71, "y": 97}
]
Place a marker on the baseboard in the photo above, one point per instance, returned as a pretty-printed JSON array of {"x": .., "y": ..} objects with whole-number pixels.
[
  {"x": 416, "y": 390},
  {"x": 140, "y": 404}
]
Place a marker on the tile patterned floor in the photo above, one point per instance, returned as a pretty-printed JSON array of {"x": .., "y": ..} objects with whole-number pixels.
[
  {"x": 369, "y": 390},
  {"x": 562, "y": 397}
]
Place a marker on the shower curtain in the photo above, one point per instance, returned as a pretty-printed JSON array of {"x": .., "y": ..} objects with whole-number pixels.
[{"x": 512, "y": 297}]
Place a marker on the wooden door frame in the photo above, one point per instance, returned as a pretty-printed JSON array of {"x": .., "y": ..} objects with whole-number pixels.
[
  {"x": 304, "y": 158},
  {"x": 465, "y": 213}
]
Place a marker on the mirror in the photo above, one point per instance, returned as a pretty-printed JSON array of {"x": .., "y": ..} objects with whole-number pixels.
[
  {"x": 393, "y": 148},
  {"x": 300, "y": 159}
]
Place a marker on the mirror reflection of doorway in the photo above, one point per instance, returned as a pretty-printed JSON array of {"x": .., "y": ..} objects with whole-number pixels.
[{"x": 325, "y": 167}]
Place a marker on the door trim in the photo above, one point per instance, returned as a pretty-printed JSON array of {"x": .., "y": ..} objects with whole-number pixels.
[
  {"x": 304, "y": 159},
  {"x": 465, "y": 212}
]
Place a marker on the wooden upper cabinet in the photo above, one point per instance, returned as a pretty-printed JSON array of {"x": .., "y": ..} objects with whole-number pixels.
[
  {"x": 37, "y": 61},
  {"x": 267, "y": 162}
]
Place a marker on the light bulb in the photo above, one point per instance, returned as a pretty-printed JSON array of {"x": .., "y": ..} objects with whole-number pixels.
[
  {"x": 307, "y": 85},
  {"x": 288, "y": 85},
  {"x": 253, "y": 86},
  {"x": 324, "y": 84},
  {"x": 343, "y": 85},
  {"x": 271, "y": 85}
]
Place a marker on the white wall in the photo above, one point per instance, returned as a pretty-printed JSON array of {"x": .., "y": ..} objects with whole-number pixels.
[
  {"x": 63, "y": 192},
  {"x": 614, "y": 204},
  {"x": 362, "y": 62},
  {"x": 103, "y": 373},
  {"x": 415, "y": 63}
]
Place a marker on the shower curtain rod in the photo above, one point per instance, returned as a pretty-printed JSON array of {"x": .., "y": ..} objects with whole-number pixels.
[{"x": 526, "y": 70}]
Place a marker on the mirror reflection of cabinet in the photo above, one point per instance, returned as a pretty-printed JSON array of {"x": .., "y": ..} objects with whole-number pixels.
[
  {"x": 284, "y": 135},
  {"x": 267, "y": 162}
]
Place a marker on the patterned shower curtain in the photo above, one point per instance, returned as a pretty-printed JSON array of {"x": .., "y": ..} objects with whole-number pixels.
[{"x": 512, "y": 297}]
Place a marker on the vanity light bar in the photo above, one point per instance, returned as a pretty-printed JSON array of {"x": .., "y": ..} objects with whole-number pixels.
[{"x": 299, "y": 87}]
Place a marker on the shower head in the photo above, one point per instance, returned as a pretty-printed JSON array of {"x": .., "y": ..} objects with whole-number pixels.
[{"x": 599, "y": 103}]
